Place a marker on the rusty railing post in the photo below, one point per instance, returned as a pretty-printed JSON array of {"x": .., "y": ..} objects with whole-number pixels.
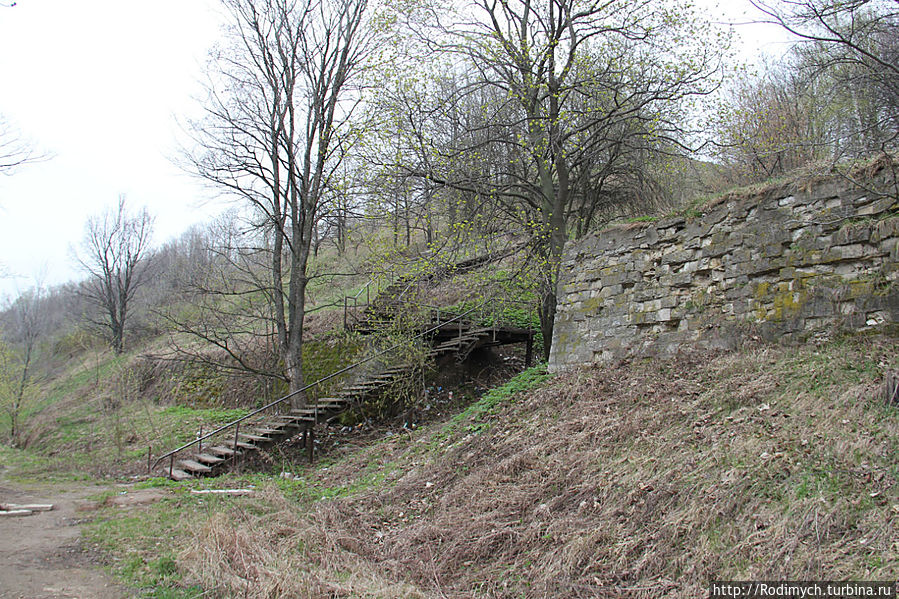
[
  {"x": 149, "y": 458},
  {"x": 236, "y": 433},
  {"x": 171, "y": 465}
]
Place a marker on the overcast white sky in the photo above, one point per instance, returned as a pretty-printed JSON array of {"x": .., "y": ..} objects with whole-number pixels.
[{"x": 99, "y": 86}]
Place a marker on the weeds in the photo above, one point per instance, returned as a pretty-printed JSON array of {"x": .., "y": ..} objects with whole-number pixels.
[
  {"x": 477, "y": 412},
  {"x": 143, "y": 544},
  {"x": 770, "y": 463},
  {"x": 632, "y": 476}
]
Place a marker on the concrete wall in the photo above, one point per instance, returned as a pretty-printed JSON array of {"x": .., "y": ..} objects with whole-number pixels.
[{"x": 789, "y": 263}]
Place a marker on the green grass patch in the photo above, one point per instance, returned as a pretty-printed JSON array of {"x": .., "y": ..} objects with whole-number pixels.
[
  {"x": 142, "y": 543},
  {"x": 209, "y": 415},
  {"x": 26, "y": 466},
  {"x": 308, "y": 489},
  {"x": 477, "y": 413}
]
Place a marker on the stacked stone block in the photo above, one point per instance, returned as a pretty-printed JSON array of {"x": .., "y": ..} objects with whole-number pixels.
[{"x": 790, "y": 263}]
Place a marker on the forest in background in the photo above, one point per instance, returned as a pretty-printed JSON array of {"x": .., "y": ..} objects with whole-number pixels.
[{"x": 358, "y": 139}]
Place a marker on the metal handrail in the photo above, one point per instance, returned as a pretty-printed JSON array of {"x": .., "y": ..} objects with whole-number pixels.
[
  {"x": 368, "y": 285},
  {"x": 366, "y": 288},
  {"x": 305, "y": 388}
]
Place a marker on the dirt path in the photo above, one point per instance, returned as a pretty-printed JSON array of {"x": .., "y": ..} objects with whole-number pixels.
[{"x": 41, "y": 556}]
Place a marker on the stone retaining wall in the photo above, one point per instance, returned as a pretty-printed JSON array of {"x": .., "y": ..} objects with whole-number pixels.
[{"x": 790, "y": 263}]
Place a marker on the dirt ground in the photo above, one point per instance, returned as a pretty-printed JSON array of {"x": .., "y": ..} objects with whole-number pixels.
[{"x": 41, "y": 556}]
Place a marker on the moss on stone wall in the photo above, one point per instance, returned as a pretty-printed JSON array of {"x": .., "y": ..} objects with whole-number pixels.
[{"x": 793, "y": 261}]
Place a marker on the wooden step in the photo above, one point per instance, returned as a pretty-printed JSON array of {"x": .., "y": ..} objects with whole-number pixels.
[
  {"x": 361, "y": 386},
  {"x": 296, "y": 420},
  {"x": 254, "y": 437},
  {"x": 444, "y": 347},
  {"x": 222, "y": 451},
  {"x": 463, "y": 339},
  {"x": 279, "y": 424},
  {"x": 305, "y": 412},
  {"x": 265, "y": 430},
  {"x": 330, "y": 400},
  {"x": 456, "y": 343},
  {"x": 289, "y": 421},
  {"x": 206, "y": 458},
  {"x": 482, "y": 332},
  {"x": 359, "y": 390},
  {"x": 178, "y": 474},
  {"x": 192, "y": 466}
]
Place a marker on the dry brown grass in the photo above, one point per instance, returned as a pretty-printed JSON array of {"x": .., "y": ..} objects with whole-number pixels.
[
  {"x": 273, "y": 553},
  {"x": 644, "y": 479}
]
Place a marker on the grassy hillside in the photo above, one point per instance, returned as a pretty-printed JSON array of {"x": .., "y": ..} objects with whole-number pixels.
[
  {"x": 649, "y": 478},
  {"x": 646, "y": 478}
]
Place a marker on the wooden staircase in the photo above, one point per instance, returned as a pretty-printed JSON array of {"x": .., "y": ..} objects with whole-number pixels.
[
  {"x": 444, "y": 335},
  {"x": 269, "y": 430}
]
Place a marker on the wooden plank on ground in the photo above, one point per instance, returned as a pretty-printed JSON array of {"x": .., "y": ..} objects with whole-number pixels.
[
  {"x": 34, "y": 507},
  {"x": 222, "y": 491}
]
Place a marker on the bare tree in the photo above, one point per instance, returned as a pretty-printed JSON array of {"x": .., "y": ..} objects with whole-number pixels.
[
  {"x": 14, "y": 151},
  {"x": 856, "y": 41},
  {"x": 775, "y": 122},
  {"x": 278, "y": 125},
  {"x": 113, "y": 255},
  {"x": 9, "y": 375}
]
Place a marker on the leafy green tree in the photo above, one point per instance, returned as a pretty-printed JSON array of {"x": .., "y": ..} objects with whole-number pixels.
[
  {"x": 9, "y": 396},
  {"x": 27, "y": 323},
  {"x": 555, "y": 110}
]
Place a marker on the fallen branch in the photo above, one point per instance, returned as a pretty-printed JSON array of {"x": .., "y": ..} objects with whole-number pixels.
[
  {"x": 33, "y": 507},
  {"x": 14, "y": 513}
]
